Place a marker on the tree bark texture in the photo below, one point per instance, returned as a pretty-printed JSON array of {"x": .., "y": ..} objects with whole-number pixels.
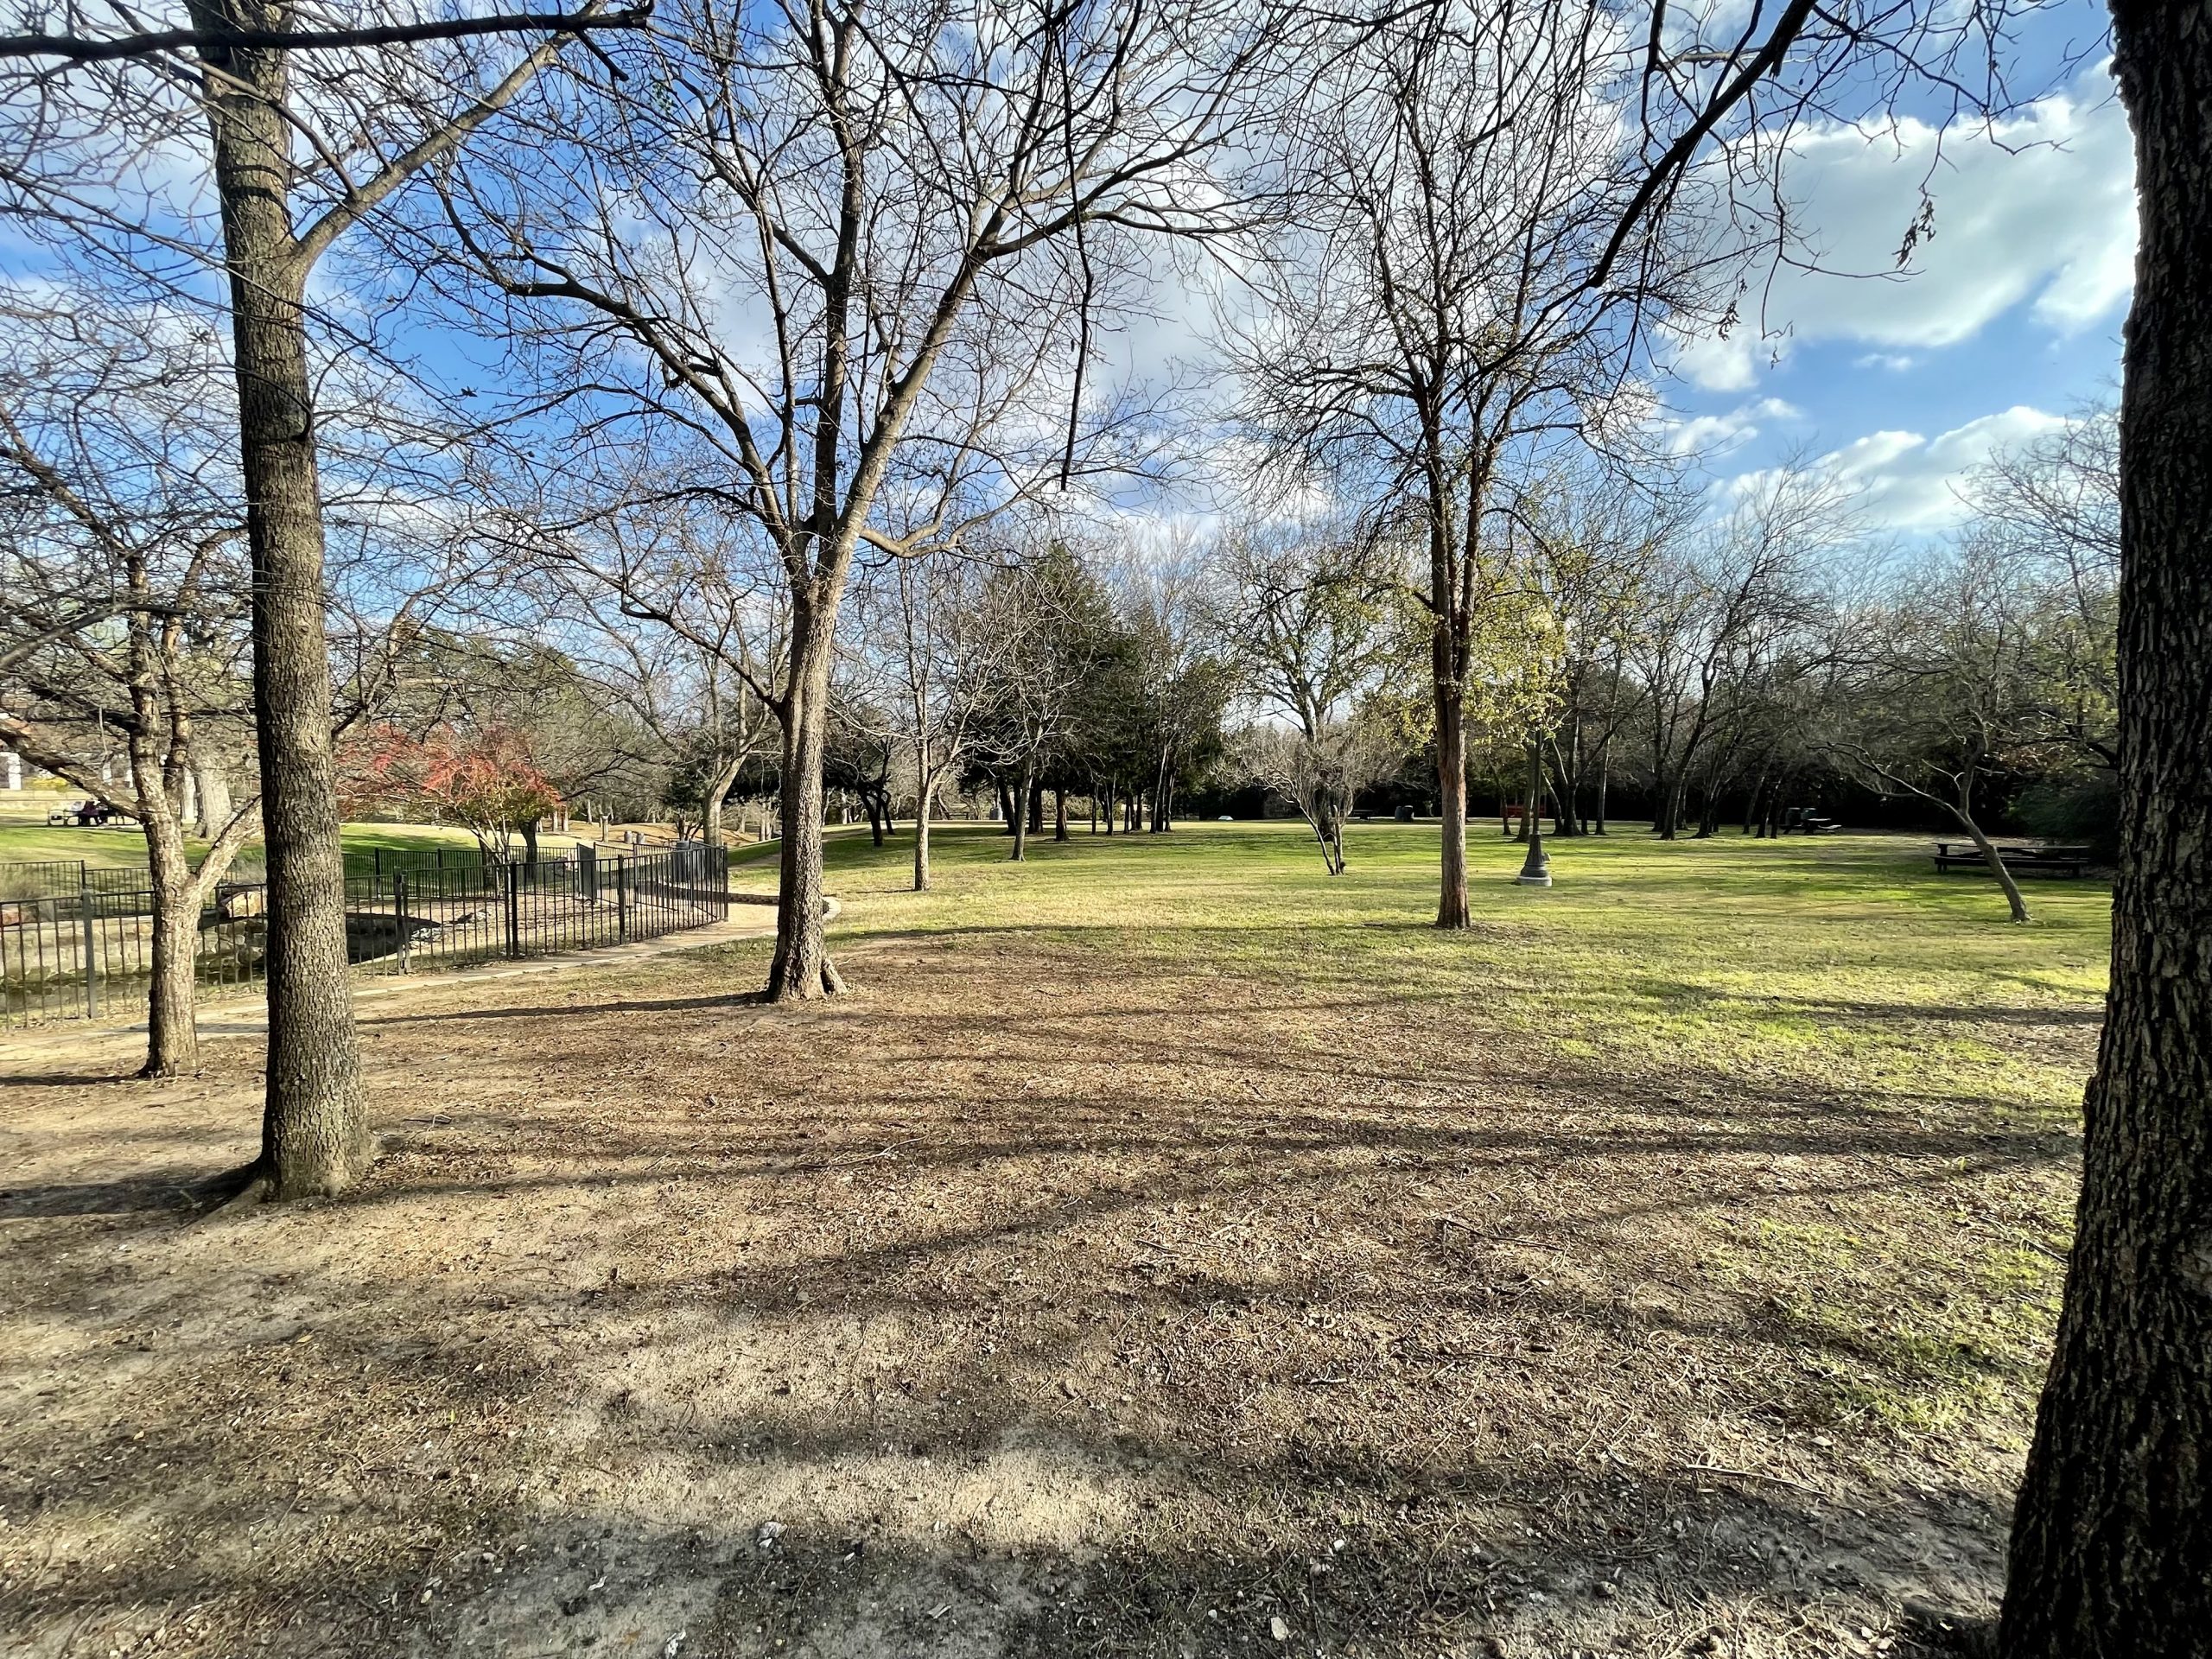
[
  {"x": 800, "y": 968},
  {"x": 1021, "y": 819},
  {"x": 924, "y": 801},
  {"x": 315, "y": 1123},
  {"x": 1451, "y": 800},
  {"x": 172, "y": 995},
  {"x": 2111, "y": 1538}
]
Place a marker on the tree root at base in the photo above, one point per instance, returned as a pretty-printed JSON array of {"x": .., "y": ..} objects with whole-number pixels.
[{"x": 1944, "y": 1630}]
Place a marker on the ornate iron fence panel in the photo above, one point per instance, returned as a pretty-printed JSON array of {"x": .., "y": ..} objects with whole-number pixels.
[{"x": 88, "y": 953}]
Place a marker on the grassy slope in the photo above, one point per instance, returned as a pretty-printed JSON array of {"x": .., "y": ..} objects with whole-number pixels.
[{"x": 1843, "y": 963}]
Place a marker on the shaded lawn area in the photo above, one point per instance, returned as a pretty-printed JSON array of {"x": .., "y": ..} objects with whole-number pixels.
[{"x": 1167, "y": 1250}]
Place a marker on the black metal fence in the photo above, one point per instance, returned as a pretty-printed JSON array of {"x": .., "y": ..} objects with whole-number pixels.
[
  {"x": 67, "y": 878},
  {"x": 89, "y": 952}
]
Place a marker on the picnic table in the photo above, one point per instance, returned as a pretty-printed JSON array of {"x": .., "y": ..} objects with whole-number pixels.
[
  {"x": 1808, "y": 821},
  {"x": 2021, "y": 860}
]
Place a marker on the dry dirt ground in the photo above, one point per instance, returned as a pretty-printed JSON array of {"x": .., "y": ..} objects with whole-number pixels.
[{"x": 1027, "y": 1301}]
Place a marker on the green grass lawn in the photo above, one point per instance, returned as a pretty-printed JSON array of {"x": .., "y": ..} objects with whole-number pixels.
[
  {"x": 1837, "y": 979},
  {"x": 1842, "y": 964},
  {"x": 25, "y": 838},
  {"x": 1203, "y": 1247}
]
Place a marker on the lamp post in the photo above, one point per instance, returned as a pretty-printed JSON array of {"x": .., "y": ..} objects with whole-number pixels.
[{"x": 1535, "y": 869}]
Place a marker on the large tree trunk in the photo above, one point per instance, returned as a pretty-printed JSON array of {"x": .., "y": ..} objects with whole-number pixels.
[
  {"x": 212, "y": 784},
  {"x": 801, "y": 969},
  {"x": 1566, "y": 788},
  {"x": 924, "y": 790},
  {"x": 922, "y": 838},
  {"x": 1451, "y": 802},
  {"x": 172, "y": 1013},
  {"x": 717, "y": 797},
  {"x": 2111, "y": 1538},
  {"x": 1605, "y": 781},
  {"x": 1021, "y": 819},
  {"x": 315, "y": 1125},
  {"x": 1060, "y": 813}
]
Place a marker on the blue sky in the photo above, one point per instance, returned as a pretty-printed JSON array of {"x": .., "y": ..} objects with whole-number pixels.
[{"x": 2007, "y": 319}]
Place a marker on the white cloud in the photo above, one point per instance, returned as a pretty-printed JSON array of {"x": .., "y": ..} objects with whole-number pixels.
[
  {"x": 1909, "y": 482},
  {"x": 1720, "y": 435},
  {"x": 2040, "y": 210},
  {"x": 1896, "y": 362},
  {"x": 1731, "y": 363}
]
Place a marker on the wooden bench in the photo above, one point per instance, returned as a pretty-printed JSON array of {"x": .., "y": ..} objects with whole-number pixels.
[{"x": 2021, "y": 860}]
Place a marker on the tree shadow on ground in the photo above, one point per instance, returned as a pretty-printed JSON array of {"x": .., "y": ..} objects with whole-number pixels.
[{"x": 1130, "y": 1327}]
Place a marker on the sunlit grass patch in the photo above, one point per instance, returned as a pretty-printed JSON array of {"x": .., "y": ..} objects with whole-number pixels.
[{"x": 1840, "y": 965}]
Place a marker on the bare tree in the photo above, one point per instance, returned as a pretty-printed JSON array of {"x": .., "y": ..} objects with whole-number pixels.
[
  {"x": 1937, "y": 693},
  {"x": 291, "y": 173},
  {"x": 937, "y": 650},
  {"x": 855, "y": 239},
  {"x": 123, "y": 597},
  {"x": 2050, "y": 512},
  {"x": 1305, "y": 611},
  {"x": 1305, "y": 607},
  {"x": 1434, "y": 317},
  {"x": 1320, "y": 772},
  {"x": 597, "y": 556},
  {"x": 1722, "y": 609}
]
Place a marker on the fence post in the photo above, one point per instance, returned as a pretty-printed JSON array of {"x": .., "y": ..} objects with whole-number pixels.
[
  {"x": 399, "y": 917},
  {"x": 84, "y": 913},
  {"x": 514, "y": 914},
  {"x": 621, "y": 899}
]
